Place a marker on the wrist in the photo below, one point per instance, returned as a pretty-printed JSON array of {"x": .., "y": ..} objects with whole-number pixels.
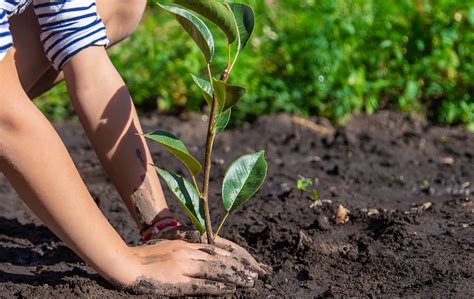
[
  {"x": 163, "y": 222},
  {"x": 126, "y": 269}
]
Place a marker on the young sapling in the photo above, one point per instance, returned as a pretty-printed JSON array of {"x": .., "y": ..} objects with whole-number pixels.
[
  {"x": 303, "y": 185},
  {"x": 245, "y": 176}
]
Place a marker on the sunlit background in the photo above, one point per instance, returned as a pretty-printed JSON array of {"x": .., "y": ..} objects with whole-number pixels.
[{"x": 332, "y": 58}]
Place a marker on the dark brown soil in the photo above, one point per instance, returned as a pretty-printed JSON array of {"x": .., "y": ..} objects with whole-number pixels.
[{"x": 407, "y": 185}]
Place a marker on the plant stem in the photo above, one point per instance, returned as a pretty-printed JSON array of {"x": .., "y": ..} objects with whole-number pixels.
[
  {"x": 220, "y": 225},
  {"x": 233, "y": 62},
  {"x": 211, "y": 134}
]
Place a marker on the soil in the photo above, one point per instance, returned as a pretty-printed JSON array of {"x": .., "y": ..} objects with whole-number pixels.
[{"x": 407, "y": 186}]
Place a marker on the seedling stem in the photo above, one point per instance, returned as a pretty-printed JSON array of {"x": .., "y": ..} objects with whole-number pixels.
[{"x": 211, "y": 134}]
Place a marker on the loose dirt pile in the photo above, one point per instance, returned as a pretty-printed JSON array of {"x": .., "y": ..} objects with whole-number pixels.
[{"x": 407, "y": 187}]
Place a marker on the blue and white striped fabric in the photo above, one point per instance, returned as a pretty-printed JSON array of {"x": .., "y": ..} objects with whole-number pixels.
[
  {"x": 6, "y": 41},
  {"x": 67, "y": 27}
]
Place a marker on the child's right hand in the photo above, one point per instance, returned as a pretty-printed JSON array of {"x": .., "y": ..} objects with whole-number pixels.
[{"x": 177, "y": 268}]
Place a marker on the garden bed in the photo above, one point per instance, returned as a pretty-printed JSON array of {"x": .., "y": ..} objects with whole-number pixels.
[{"x": 407, "y": 186}]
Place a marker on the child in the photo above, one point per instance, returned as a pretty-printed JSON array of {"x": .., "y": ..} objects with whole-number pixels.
[{"x": 42, "y": 43}]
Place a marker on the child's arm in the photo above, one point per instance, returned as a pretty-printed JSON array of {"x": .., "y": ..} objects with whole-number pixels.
[
  {"x": 73, "y": 36},
  {"x": 36, "y": 163},
  {"x": 107, "y": 113}
]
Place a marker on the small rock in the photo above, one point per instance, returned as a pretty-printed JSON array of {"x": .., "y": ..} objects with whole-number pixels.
[
  {"x": 446, "y": 161},
  {"x": 465, "y": 225},
  {"x": 312, "y": 159},
  {"x": 423, "y": 207},
  {"x": 426, "y": 205},
  {"x": 465, "y": 185},
  {"x": 371, "y": 212},
  {"x": 341, "y": 214}
]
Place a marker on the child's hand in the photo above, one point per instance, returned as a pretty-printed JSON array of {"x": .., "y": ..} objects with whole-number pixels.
[
  {"x": 192, "y": 236},
  {"x": 177, "y": 268}
]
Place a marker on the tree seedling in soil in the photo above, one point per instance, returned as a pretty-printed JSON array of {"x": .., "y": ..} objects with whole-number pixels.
[
  {"x": 245, "y": 176},
  {"x": 303, "y": 185}
]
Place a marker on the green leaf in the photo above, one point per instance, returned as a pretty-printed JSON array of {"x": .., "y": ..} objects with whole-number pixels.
[
  {"x": 216, "y": 12},
  {"x": 243, "y": 178},
  {"x": 205, "y": 87},
  {"x": 195, "y": 28},
  {"x": 175, "y": 146},
  {"x": 223, "y": 120},
  {"x": 303, "y": 183},
  {"x": 187, "y": 197},
  {"x": 245, "y": 19},
  {"x": 227, "y": 95}
]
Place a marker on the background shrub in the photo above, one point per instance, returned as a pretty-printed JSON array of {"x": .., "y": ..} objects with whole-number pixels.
[{"x": 332, "y": 58}]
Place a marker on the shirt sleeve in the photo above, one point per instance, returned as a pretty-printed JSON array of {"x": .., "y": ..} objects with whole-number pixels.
[
  {"x": 6, "y": 40},
  {"x": 67, "y": 27}
]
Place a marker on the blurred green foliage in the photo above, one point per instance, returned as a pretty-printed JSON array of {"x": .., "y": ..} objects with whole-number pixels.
[{"x": 332, "y": 58}]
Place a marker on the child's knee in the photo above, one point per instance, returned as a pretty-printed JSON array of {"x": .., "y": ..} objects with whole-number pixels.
[
  {"x": 125, "y": 19},
  {"x": 132, "y": 14}
]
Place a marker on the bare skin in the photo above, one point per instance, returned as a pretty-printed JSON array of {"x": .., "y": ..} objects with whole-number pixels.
[
  {"x": 37, "y": 164},
  {"x": 105, "y": 110}
]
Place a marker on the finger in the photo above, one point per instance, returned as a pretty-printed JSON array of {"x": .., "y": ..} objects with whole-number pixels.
[
  {"x": 181, "y": 233},
  {"x": 225, "y": 269},
  {"x": 243, "y": 255}
]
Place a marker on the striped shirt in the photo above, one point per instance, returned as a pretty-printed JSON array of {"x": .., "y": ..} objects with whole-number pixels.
[{"x": 67, "y": 27}]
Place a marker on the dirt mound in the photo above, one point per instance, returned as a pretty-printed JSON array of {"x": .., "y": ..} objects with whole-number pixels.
[{"x": 407, "y": 187}]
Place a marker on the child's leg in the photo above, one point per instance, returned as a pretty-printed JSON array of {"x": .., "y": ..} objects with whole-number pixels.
[{"x": 103, "y": 105}]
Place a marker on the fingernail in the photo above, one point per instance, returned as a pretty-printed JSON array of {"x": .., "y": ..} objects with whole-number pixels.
[{"x": 253, "y": 274}]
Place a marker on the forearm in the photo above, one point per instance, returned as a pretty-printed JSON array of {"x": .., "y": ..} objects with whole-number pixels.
[{"x": 107, "y": 113}]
